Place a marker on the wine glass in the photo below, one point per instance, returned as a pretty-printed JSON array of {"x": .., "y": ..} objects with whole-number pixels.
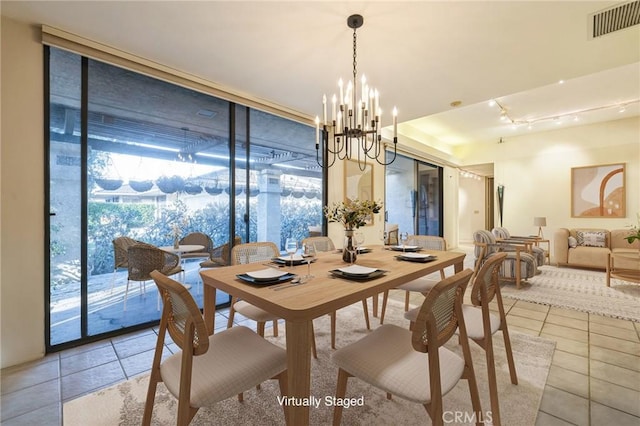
[
  {"x": 291, "y": 246},
  {"x": 309, "y": 253},
  {"x": 383, "y": 238},
  {"x": 404, "y": 237},
  {"x": 359, "y": 240}
]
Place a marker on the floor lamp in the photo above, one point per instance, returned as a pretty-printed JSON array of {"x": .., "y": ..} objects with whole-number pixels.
[{"x": 540, "y": 222}]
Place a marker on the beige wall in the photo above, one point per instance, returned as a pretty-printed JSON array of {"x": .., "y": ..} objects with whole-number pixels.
[
  {"x": 21, "y": 195},
  {"x": 536, "y": 172}
]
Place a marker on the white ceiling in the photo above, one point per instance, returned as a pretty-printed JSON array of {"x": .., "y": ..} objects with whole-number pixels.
[{"x": 421, "y": 55}]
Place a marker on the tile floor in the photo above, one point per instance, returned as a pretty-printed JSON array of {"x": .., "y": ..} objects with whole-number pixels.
[{"x": 594, "y": 378}]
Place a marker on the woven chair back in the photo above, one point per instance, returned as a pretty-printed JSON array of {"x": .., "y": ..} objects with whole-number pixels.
[
  {"x": 320, "y": 243},
  {"x": 181, "y": 313},
  {"x": 441, "y": 313},
  {"x": 253, "y": 252},
  {"x": 429, "y": 242},
  {"x": 198, "y": 238},
  {"x": 120, "y": 247},
  {"x": 486, "y": 283},
  {"x": 144, "y": 258}
]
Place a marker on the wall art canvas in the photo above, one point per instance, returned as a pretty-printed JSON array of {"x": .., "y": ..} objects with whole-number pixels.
[{"x": 598, "y": 191}]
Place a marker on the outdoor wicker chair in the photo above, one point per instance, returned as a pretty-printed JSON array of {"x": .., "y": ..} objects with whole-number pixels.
[{"x": 145, "y": 258}]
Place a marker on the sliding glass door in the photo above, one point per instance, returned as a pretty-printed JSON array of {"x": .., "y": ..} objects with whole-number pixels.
[
  {"x": 414, "y": 196},
  {"x": 137, "y": 157}
]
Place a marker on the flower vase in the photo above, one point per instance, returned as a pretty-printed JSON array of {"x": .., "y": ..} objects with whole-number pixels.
[
  {"x": 349, "y": 253},
  {"x": 176, "y": 242}
]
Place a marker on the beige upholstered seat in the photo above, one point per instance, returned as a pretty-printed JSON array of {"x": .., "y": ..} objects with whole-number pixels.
[
  {"x": 208, "y": 369},
  {"x": 145, "y": 258},
  {"x": 415, "y": 365},
  {"x": 422, "y": 284},
  {"x": 325, "y": 244}
]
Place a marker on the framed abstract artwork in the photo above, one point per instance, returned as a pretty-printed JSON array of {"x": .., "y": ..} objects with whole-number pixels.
[{"x": 598, "y": 191}]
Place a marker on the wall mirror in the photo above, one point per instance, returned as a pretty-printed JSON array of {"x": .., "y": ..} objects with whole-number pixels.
[{"x": 358, "y": 183}]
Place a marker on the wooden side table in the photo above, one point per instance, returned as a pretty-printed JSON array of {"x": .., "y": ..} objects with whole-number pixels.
[{"x": 626, "y": 274}]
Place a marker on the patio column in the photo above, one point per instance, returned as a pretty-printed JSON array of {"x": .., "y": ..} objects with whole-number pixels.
[{"x": 269, "y": 206}]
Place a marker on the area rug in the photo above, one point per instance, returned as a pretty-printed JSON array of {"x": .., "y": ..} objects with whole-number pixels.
[
  {"x": 123, "y": 404},
  {"x": 582, "y": 290}
]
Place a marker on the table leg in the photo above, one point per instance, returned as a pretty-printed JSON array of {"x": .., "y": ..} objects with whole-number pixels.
[
  {"x": 209, "y": 307},
  {"x": 299, "y": 370},
  {"x": 459, "y": 266}
]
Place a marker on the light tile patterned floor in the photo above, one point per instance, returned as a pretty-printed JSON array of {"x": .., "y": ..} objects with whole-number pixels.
[{"x": 594, "y": 378}]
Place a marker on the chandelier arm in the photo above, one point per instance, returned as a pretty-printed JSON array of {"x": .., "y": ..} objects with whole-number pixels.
[{"x": 395, "y": 153}]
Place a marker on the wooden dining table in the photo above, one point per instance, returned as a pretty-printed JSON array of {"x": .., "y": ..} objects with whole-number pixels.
[{"x": 298, "y": 305}]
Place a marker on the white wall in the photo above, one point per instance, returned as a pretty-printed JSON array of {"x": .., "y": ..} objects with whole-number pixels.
[
  {"x": 21, "y": 195},
  {"x": 536, "y": 172},
  {"x": 472, "y": 208}
]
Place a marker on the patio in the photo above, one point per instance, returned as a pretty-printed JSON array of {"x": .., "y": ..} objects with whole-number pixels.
[{"x": 106, "y": 306}]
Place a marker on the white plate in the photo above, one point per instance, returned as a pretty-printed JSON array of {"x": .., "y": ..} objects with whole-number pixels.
[
  {"x": 266, "y": 274},
  {"x": 357, "y": 270},
  {"x": 296, "y": 258},
  {"x": 405, "y": 248},
  {"x": 415, "y": 255}
]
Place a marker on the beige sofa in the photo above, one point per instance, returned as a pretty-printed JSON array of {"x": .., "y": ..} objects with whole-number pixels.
[{"x": 589, "y": 247}]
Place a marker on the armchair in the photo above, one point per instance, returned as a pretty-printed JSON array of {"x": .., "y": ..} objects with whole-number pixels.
[
  {"x": 517, "y": 266},
  {"x": 502, "y": 235}
]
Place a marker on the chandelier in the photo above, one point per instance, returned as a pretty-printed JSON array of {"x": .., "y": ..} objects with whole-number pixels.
[{"x": 355, "y": 123}]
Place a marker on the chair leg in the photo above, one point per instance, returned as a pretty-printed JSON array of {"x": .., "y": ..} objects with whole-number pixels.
[
  {"x": 232, "y": 312},
  {"x": 275, "y": 328},
  {"x": 333, "y": 329},
  {"x": 493, "y": 384},
  {"x": 365, "y": 308},
  {"x": 375, "y": 305},
  {"x": 151, "y": 396},
  {"x": 113, "y": 281},
  {"x": 507, "y": 347},
  {"x": 385, "y": 295},
  {"x": 341, "y": 390},
  {"x": 126, "y": 293},
  {"x": 406, "y": 300}
]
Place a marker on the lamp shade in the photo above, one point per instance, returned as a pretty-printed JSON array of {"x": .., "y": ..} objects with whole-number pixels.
[{"x": 539, "y": 221}]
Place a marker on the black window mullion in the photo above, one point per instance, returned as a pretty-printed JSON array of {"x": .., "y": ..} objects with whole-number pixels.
[{"x": 84, "y": 156}]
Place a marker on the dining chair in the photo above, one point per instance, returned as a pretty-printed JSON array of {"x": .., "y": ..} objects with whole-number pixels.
[
  {"x": 207, "y": 369},
  {"x": 325, "y": 244},
  {"x": 252, "y": 253},
  {"x": 408, "y": 363},
  {"x": 422, "y": 284},
  {"x": 482, "y": 324},
  {"x": 144, "y": 259},
  {"x": 120, "y": 255}
]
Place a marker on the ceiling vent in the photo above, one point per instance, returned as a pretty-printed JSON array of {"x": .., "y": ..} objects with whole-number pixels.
[{"x": 615, "y": 18}]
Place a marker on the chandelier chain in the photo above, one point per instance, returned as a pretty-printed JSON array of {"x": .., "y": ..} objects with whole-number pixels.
[{"x": 355, "y": 63}]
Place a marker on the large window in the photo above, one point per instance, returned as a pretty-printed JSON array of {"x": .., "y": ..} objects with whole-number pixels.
[{"x": 134, "y": 156}]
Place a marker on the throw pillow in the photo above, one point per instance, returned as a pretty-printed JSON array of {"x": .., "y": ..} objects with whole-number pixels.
[
  {"x": 573, "y": 242},
  {"x": 591, "y": 238}
]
